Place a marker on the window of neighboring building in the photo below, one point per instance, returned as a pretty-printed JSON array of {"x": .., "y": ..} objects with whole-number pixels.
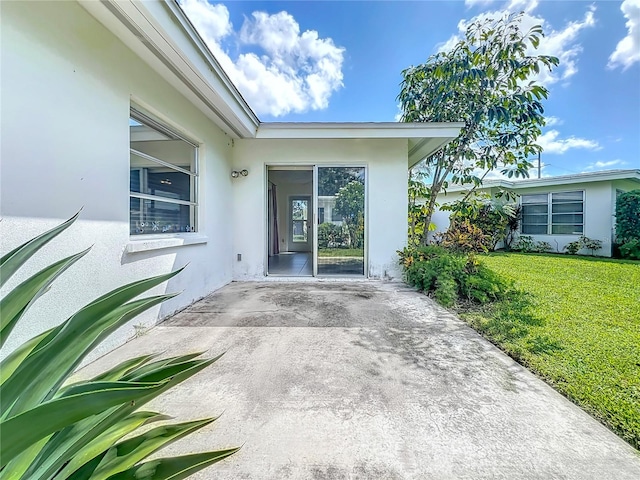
[
  {"x": 163, "y": 178},
  {"x": 560, "y": 213}
]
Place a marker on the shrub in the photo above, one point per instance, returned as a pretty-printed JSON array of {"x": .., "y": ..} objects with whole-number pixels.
[
  {"x": 492, "y": 217},
  {"x": 527, "y": 244},
  {"x": 451, "y": 276},
  {"x": 631, "y": 249},
  {"x": 331, "y": 235},
  {"x": 628, "y": 224},
  {"x": 55, "y": 431},
  {"x": 574, "y": 247},
  {"x": 463, "y": 236},
  {"x": 628, "y": 216}
]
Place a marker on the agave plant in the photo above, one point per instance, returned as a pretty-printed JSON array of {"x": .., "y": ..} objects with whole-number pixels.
[{"x": 52, "y": 429}]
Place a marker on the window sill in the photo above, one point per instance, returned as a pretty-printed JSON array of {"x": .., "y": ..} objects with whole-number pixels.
[{"x": 147, "y": 244}]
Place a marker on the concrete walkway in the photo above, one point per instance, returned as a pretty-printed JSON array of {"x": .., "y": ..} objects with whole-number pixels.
[{"x": 366, "y": 380}]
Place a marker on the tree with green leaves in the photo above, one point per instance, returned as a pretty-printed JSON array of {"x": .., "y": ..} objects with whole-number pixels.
[
  {"x": 486, "y": 82},
  {"x": 350, "y": 204}
]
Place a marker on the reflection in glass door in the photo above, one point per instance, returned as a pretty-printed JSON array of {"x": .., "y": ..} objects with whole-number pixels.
[
  {"x": 300, "y": 238},
  {"x": 340, "y": 230}
]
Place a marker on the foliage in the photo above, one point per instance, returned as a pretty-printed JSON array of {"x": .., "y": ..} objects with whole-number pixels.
[
  {"x": 341, "y": 252},
  {"x": 513, "y": 224},
  {"x": 485, "y": 82},
  {"x": 451, "y": 277},
  {"x": 350, "y": 204},
  {"x": 578, "y": 327},
  {"x": 331, "y": 235},
  {"x": 463, "y": 236},
  {"x": 490, "y": 215},
  {"x": 527, "y": 244},
  {"x": 628, "y": 223},
  {"x": 417, "y": 211},
  {"x": 332, "y": 179},
  {"x": 583, "y": 242},
  {"x": 87, "y": 429},
  {"x": 631, "y": 249}
]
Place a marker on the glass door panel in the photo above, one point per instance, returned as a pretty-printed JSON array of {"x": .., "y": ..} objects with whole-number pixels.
[
  {"x": 299, "y": 212},
  {"x": 340, "y": 231}
]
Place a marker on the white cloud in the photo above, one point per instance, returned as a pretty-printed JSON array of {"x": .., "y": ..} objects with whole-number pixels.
[
  {"x": 562, "y": 43},
  {"x": 526, "y": 6},
  {"x": 552, "y": 144},
  {"x": 295, "y": 71},
  {"x": 604, "y": 165},
  {"x": 627, "y": 51},
  {"x": 551, "y": 121}
]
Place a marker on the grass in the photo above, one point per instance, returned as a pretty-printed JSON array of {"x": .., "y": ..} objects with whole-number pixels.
[
  {"x": 340, "y": 252},
  {"x": 577, "y": 325}
]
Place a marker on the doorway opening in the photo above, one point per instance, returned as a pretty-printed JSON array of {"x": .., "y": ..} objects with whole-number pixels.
[{"x": 290, "y": 212}]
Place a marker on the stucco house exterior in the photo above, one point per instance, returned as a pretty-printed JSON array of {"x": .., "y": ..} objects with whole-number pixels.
[
  {"x": 559, "y": 209},
  {"x": 119, "y": 108}
]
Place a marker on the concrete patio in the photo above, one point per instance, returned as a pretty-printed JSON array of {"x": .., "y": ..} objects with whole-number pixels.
[{"x": 367, "y": 380}]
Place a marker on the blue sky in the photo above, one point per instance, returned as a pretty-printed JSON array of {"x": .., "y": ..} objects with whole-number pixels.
[{"x": 341, "y": 61}]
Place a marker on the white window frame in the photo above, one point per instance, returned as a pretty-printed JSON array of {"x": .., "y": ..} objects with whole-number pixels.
[
  {"x": 550, "y": 203},
  {"x": 146, "y": 119}
]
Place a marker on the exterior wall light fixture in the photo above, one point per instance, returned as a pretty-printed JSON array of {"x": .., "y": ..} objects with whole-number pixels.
[{"x": 235, "y": 173}]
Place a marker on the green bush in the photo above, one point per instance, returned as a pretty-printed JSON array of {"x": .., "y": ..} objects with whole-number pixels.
[
  {"x": 527, "y": 244},
  {"x": 451, "y": 276},
  {"x": 574, "y": 247},
  {"x": 628, "y": 224},
  {"x": 631, "y": 249},
  {"x": 628, "y": 216},
  {"x": 88, "y": 429},
  {"x": 463, "y": 236},
  {"x": 492, "y": 217}
]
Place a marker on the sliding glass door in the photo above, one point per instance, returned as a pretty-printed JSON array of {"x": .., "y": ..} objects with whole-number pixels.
[{"x": 341, "y": 221}]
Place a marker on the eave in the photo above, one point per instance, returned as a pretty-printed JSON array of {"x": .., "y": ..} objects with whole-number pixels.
[
  {"x": 163, "y": 37},
  {"x": 423, "y": 139}
]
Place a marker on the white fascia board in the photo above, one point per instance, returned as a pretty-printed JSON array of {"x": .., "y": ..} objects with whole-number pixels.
[
  {"x": 290, "y": 130},
  {"x": 423, "y": 139},
  {"x": 161, "y": 35},
  {"x": 590, "y": 177}
]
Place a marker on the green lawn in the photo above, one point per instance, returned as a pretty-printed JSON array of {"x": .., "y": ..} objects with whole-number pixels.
[
  {"x": 340, "y": 252},
  {"x": 577, "y": 326}
]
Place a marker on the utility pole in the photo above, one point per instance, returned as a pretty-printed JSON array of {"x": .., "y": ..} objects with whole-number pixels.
[{"x": 539, "y": 165}]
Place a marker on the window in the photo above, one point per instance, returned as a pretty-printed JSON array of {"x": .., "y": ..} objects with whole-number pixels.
[
  {"x": 560, "y": 213},
  {"x": 163, "y": 178}
]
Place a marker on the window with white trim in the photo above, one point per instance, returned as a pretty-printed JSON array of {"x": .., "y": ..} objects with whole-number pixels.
[
  {"x": 163, "y": 178},
  {"x": 558, "y": 213}
]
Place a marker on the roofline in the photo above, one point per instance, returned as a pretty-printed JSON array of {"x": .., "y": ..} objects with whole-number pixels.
[
  {"x": 289, "y": 130},
  {"x": 161, "y": 35},
  {"x": 587, "y": 177},
  {"x": 204, "y": 48}
]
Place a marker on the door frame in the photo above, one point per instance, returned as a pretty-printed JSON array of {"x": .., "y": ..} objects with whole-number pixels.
[
  {"x": 366, "y": 217},
  {"x": 313, "y": 216},
  {"x": 309, "y": 243}
]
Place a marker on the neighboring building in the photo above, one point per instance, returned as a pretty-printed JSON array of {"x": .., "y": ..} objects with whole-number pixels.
[
  {"x": 560, "y": 209},
  {"x": 119, "y": 108}
]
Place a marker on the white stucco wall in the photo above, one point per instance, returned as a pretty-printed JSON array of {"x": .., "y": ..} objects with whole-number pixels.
[
  {"x": 599, "y": 209},
  {"x": 67, "y": 84},
  {"x": 386, "y": 211}
]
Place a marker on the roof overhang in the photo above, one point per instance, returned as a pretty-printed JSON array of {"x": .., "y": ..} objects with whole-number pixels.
[
  {"x": 163, "y": 37},
  {"x": 423, "y": 139},
  {"x": 588, "y": 177},
  {"x": 160, "y": 33}
]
